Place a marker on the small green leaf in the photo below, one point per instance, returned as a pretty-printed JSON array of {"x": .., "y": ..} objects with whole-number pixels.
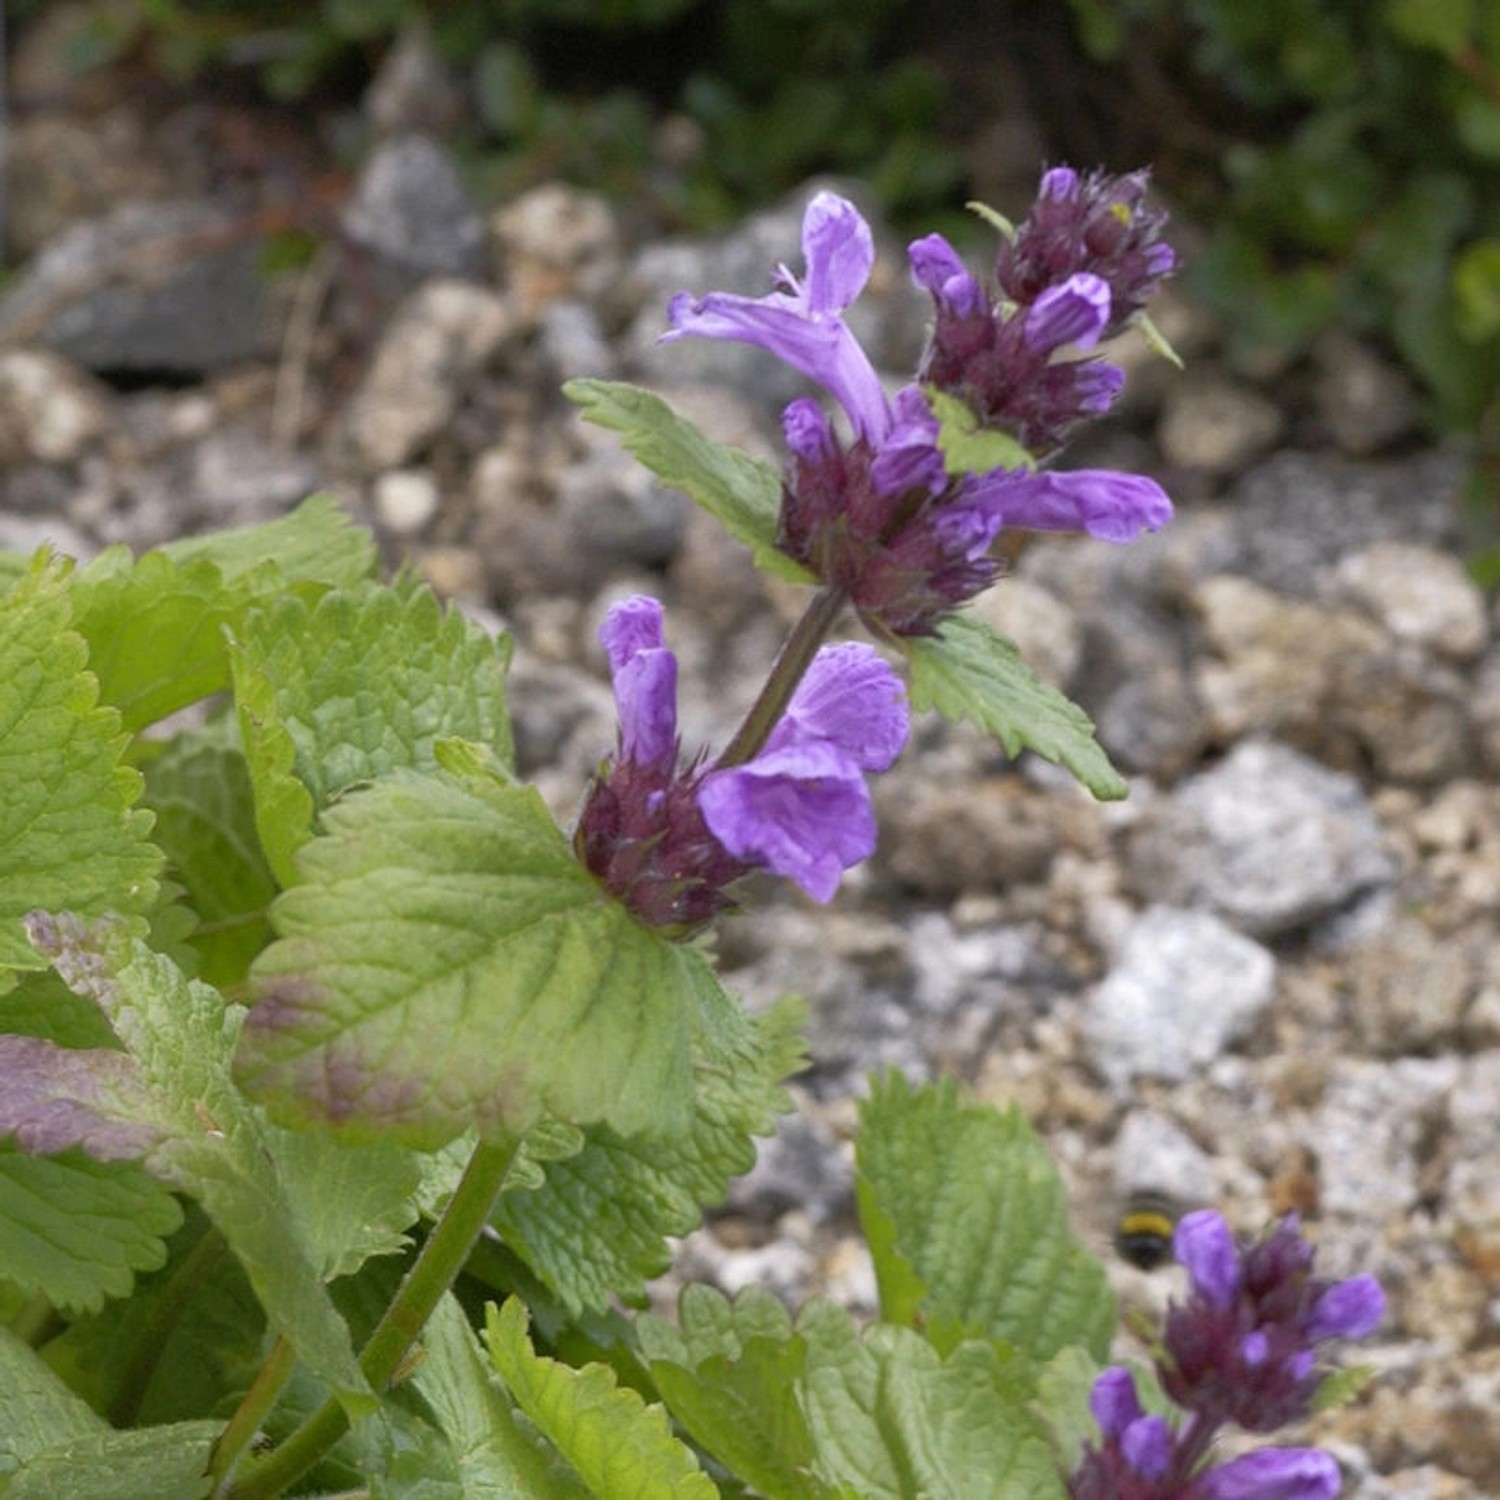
[
  {"x": 1443, "y": 25},
  {"x": 494, "y": 1453},
  {"x": 968, "y": 448},
  {"x": 366, "y": 680},
  {"x": 1476, "y": 285},
  {"x": 978, "y": 1213},
  {"x": 731, "y": 1379},
  {"x": 69, "y": 835},
  {"x": 969, "y": 671},
  {"x": 892, "y": 1418},
  {"x": 597, "y": 1227},
  {"x": 741, "y": 492},
  {"x": 1342, "y": 1386},
  {"x": 620, "y": 1447},
  {"x": 199, "y": 788},
  {"x": 77, "y": 1230},
  {"x": 214, "y": 1147},
  {"x": 446, "y": 963},
  {"x": 1156, "y": 341},
  {"x": 993, "y": 217}
]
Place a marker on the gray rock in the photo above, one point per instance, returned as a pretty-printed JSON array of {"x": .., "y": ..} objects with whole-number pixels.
[
  {"x": 1473, "y": 1141},
  {"x": 1216, "y": 425},
  {"x": 1269, "y": 839},
  {"x": 1297, "y": 513},
  {"x": 1418, "y": 595},
  {"x": 411, "y": 207},
  {"x": 1154, "y": 1154},
  {"x": 160, "y": 287},
  {"x": 435, "y": 345},
  {"x": 803, "y": 1166},
  {"x": 1372, "y": 1131},
  {"x": 1328, "y": 680},
  {"x": 1182, "y": 989},
  {"x": 557, "y": 241},
  {"x": 1411, "y": 988},
  {"x": 50, "y": 410},
  {"x": 1364, "y": 402}
]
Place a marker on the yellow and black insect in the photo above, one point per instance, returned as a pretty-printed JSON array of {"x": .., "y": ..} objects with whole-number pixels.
[{"x": 1143, "y": 1233}]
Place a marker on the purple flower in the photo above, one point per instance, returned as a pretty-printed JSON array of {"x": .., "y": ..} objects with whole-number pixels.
[
  {"x": 880, "y": 517},
  {"x": 668, "y": 840},
  {"x": 1272, "y": 1474},
  {"x": 1242, "y": 1348},
  {"x": 802, "y": 325}
]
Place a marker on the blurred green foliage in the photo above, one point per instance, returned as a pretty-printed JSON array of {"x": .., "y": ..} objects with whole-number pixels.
[{"x": 1357, "y": 175}]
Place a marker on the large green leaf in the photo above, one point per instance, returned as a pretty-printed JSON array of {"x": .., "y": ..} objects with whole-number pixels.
[
  {"x": 619, "y": 1447},
  {"x": 366, "y": 680},
  {"x": 37, "y": 1411},
  {"x": 140, "y": 1463},
  {"x": 69, "y": 836},
  {"x": 211, "y": 1144},
  {"x": 597, "y": 1226},
  {"x": 446, "y": 963},
  {"x": 741, "y": 492},
  {"x": 969, "y": 671},
  {"x": 967, "y": 1200},
  {"x": 316, "y": 544}
]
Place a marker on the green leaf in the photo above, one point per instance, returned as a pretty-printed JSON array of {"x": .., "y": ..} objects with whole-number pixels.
[
  {"x": 366, "y": 680},
  {"x": 68, "y": 833},
  {"x": 969, "y": 671},
  {"x": 731, "y": 1378},
  {"x": 978, "y": 1212},
  {"x": 493, "y": 1453},
  {"x": 141, "y": 1463},
  {"x": 199, "y": 789},
  {"x": 155, "y": 626},
  {"x": 214, "y": 1146},
  {"x": 968, "y": 448},
  {"x": 38, "y": 1413},
  {"x": 1443, "y": 25},
  {"x": 317, "y": 543},
  {"x": 1476, "y": 284},
  {"x": 620, "y": 1447},
  {"x": 446, "y": 963},
  {"x": 741, "y": 492},
  {"x": 891, "y": 1418},
  {"x": 597, "y": 1227}
]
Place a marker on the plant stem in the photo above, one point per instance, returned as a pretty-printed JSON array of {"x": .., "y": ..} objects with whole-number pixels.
[
  {"x": 796, "y": 656},
  {"x": 150, "y": 1344},
  {"x": 265, "y": 1390},
  {"x": 437, "y": 1265}
]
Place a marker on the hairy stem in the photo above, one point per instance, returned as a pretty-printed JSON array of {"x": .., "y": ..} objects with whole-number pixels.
[
  {"x": 255, "y": 1406},
  {"x": 437, "y": 1264},
  {"x": 796, "y": 655}
]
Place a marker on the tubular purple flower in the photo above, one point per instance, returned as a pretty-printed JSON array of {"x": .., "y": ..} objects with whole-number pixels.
[
  {"x": 1113, "y": 1400},
  {"x": 803, "y": 325},
  {"x": 1059, "y": 184},
  {"x": 1095, "y": 385},
  {"x": 1076, "y": 311},
  {"x": 1204, "y": 1244},
  {"x": 1349, "y": 1309},
  {"x": 1146, "y": 1446},
  {"x": 909, "y": 458},
  {"x": 937, "y": 268},
  {"x": 1272, "y": 1474},
  {"x": 644, "y": 674},
  {"x": 802, "y": 811},
  {"x": 807, "y": 432},
  {"x": 1110, "y": 506}
]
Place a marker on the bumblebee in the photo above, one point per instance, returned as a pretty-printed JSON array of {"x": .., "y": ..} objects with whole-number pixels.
[{"x": 1143, "y": 1233}]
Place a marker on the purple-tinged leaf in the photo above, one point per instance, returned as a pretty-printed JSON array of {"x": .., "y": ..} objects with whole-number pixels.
[{"x": 55, "y": 1098}]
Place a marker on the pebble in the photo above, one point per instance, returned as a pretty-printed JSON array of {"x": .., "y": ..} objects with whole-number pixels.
[
  {"x": 50, "y": 410},
  {"x": 1269, "y": 839},
  {"x": 1184, "y": 986},
  {"x": 406, "y": 500},
  {"x": 1418, "y": 595},
  {"x": 1216, "y": 425}
]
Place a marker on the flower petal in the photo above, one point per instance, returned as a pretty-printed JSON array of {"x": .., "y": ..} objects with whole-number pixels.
[
  {"x": 644, "y": 675},
  {"x": 1110, "y": 506},
  {"x": 803, "y": 812},
  {"x": 851, "y": 699},
  {"x": 1203, "y": 1243},
  {"x": 936, "y": 267},
  {"x": 1273, "y": 1474},
  {"x": 839, "y": 250},
  {"x": 1348, "y": 1309},
  {"x": 1114, "y": 1402},
  {"x": 1076, "y": 311}
]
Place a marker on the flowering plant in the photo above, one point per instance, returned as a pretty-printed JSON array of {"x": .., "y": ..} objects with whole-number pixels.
[{"x": 319, "y": 1033}]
